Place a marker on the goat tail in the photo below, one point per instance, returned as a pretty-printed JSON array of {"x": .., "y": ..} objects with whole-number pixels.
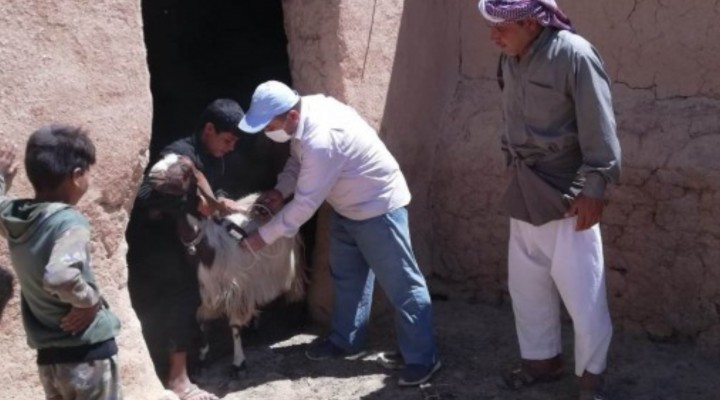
[{"x": 297, "y": 288}]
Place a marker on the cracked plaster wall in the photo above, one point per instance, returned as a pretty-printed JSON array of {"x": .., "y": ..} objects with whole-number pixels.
[
  {"x": 661, "y": 228},
  {"x": 80, "y": 63}
]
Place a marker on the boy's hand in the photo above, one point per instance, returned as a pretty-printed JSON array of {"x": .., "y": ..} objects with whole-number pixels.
[
  {"x": 8, "y": 166},
  {"x": 222, "y": 206},
  {"x": 204, "y": 208},
  {"x": 231, "y": 206},
  {"x": 79, "y": 318}
]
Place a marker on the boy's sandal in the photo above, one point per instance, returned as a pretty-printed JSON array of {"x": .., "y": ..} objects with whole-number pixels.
[
  {"x": 519, "y": 378},
  {"x": 193, "y": 392}
]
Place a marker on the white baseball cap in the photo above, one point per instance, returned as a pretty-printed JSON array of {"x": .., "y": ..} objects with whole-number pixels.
[{"x": 270, "y": 99}]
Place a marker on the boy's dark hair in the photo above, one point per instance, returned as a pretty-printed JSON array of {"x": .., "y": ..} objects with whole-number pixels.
[
  {"x": 6, "y": 288},
  {"x": 224, "y": 114},
  {"x": 53, "y": 152}
]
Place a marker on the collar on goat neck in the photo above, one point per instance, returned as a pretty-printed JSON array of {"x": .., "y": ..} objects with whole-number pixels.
[{"x": 235, "y": 230}]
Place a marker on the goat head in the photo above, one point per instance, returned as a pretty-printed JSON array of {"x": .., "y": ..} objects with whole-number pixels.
[{"x": 173, "y": 174}]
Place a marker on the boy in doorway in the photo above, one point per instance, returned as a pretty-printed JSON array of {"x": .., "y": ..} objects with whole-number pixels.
[{"x": 163, "y": 285}]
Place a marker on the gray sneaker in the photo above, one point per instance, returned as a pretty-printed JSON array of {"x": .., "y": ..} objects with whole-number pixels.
[
  {"x": 391, "y": 360},
  {"x": 414, "y": 374},
  {"x": 325, "y": 349}
]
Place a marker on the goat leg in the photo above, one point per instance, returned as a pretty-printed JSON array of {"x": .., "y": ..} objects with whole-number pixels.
[
  {"x": 238, "y": 365},
  {"x": 204, "y": 347}
]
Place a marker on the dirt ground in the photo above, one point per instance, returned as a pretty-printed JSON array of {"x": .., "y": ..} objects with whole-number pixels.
[{"x": 475, "y": 343}]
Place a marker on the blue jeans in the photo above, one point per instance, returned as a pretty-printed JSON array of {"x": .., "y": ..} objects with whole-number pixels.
[{"x": 379, "y": 247}]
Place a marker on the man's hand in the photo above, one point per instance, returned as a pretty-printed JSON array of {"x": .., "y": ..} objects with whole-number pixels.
[
  {"x": 588, "y": 211},
  {"x": 8, "y": 166},
  {"x": 272, "y": 199},
  {"x": 79, "y": 318},
  {"x": 253, "y": 242}
]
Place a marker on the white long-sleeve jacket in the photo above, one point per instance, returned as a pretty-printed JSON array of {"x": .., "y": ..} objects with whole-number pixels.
[{"x": 335, "y": 156}]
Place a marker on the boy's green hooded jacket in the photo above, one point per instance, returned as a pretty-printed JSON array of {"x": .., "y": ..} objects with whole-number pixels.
[{"x": 49, "y": 249}]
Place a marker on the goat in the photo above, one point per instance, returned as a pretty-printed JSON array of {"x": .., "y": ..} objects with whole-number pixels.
[{"x": 233, "y": 282}]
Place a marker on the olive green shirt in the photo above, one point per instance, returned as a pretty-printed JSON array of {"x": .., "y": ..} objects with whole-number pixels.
[{"x": 560, "y": 126}]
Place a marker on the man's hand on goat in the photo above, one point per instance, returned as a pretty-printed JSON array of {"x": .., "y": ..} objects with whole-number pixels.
[
  {"x": 588, "y": 211},
  {"x": 272, "y": 199},
  {"x": 79, "y": 318},
  {"x": 8, "y": 166},
  {"x": 253, "y": 242}
]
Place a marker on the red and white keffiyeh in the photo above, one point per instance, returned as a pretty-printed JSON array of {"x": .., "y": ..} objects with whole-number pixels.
[{"x": 546, "y": 12}]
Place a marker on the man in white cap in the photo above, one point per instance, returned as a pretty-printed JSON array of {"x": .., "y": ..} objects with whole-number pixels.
[
  {"x": 336, "y": 156},
  {"x": 561, "y": 142}
]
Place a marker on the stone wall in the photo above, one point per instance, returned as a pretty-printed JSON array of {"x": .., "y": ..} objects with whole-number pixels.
[
  {"x": 80, "y": 63},
  {"x": 661, "y": 230},
  {"x": 344, "y": 49},
  {"x": 661, "y": 226}
]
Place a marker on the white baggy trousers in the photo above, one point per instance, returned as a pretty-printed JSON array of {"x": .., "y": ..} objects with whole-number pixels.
[{"x": 552, "y": 262}]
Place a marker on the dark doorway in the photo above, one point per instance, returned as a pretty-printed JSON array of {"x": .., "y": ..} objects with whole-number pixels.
[{"x": 200, "y": 50}]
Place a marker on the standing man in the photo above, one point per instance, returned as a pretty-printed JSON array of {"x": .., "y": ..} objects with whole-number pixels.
[
  {"x": 163, "y": 285},
  {"x": 336, "y": 156},
  {"x": 561, "y": 142}
]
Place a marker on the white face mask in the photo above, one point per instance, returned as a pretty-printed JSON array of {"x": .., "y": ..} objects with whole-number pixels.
[{"x": 278, "y": 135}]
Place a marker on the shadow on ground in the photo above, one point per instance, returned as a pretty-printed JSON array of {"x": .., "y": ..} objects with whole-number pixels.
[{"x": 476, "y": 343}]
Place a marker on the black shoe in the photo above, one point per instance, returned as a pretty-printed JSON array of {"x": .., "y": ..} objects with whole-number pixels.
[
  {"x": 325, "y": 349},
  {"x": 414, "y": 374}
]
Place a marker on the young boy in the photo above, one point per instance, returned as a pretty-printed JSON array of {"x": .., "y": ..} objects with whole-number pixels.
[
  {"x": 65, "y": 317},
  {"x": 163, "y": 286}
]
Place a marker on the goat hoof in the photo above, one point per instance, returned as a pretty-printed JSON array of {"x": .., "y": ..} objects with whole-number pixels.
[{"x": 238, "y": 371}]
